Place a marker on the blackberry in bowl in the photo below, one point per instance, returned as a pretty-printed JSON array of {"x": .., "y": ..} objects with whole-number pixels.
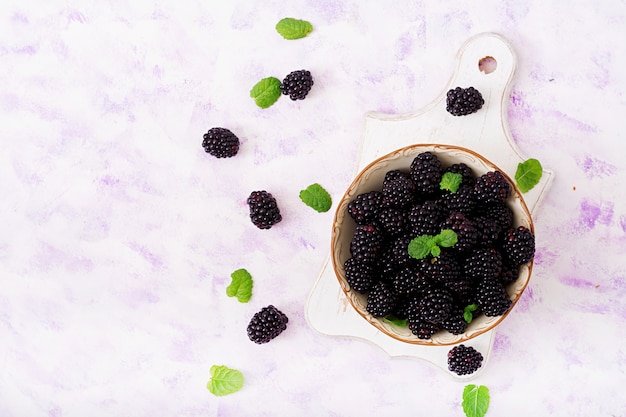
[{"x": 432, "y": 244}]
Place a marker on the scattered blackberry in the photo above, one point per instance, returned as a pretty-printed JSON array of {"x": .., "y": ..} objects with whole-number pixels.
[
  {"x": 422, "y": 329},
  {"x": 455, "y": 323},
  {"x": 264, "y": 211},
  {"x": 392, "y": 221},
  {"x": 442, "y": 269},
  {"x": 381, "y": 301},
  {"x": 395, "y": 255},
  {"x": 464, "y": 101},
  {"x": 409, "y": 280},
  {"x": 366, "y": 243},
  {"x": 467, "y": 235},
  {"x": 364, "y": 208},
  {"x": 398, "y": 192},
  {"x": 464, "y": 360},
  {"x": 426, "y": 171},
  {"x": 468, "y": 177},
  {"x": 518, "y": 245},
  {"x": 492, "y": 187},
  {"x": 266, "y": 324},
  {"x": 426, "y": 218},
  {"x": 462, "y": 201},
  {"x": 360, "y": 276},
  {"x": 435, "y": 305},
  {"x": 297, "y": 84},
  {"x": 220, "y": 142},
  {"x": 483, "y": 263},
  {"x": 492, "y": 298}
]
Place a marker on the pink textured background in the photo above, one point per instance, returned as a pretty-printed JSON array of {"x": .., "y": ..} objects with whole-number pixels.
[{"x": 118, "y": 233}]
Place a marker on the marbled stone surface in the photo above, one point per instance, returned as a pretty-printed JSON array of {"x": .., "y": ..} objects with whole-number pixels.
[{"x": 119, "y": 233}]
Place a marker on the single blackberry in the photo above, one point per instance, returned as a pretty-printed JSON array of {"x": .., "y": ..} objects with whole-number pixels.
[
  {"x": 423, "y": 329},
  {"x": 508, "y": 274},
  {"x": 297, "y": 84},
  {"x": 426, "y": 218},
  {"x": 409, "y": 281},
  {"x": 492, "y": 187},
  {"x": 467, "y": 175},
  {"x": 492, "y": 298},
  {"x": 518, "y": 246},
  {"x": 462, "y": 291},
  {"x": 398, "y": 192},
  {"x": 467, "y": 235},
  {"x": 488, "y": 230},
  {"x": 392, "y": 221},
  {"x": 426, "y": 171},
  {"x": 266, "y": 324},
  {"x": 483, "y": 263},
  {"x": 455, "y": 323},
  {"x": 461, "y": 201},
  {"x": 360, "y": 276},
  {"x": 435, "y": 305},
  {"x": 500, "y": 212},
  {"x": 464, "y": 360},
  {"x": 464, "y": 101},
  {"x": 264, "y": 211},
  {"x": 220, "y": 142},
  {"x": 364, "y": 208},
  {"x": 381, "y": 300},
  {"x": 394, "y": 255},
  {"x": 442, "y": 269},
  {"x": 366, "y": 243}
]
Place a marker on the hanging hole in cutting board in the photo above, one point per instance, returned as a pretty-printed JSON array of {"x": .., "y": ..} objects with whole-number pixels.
[{"x": 487, "y": 64}]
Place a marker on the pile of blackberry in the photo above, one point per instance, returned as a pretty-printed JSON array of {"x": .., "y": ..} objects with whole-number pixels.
[{"x": 432, "y": 293}]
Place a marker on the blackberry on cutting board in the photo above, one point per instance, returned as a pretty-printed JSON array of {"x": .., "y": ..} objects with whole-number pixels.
[
  {"x": 518, "y": 246},
  {"x": 365, "y": 207},
  {"x": 463, "y": 101},
  {"x": 297, "y": 84},
  {"x": 464, "y": 360},
  {"x": 220, "y": 142},
  {"x": 266, "y": 324},
  {"x": 264, "y": 211},
  {"x": 426, "y": 171}
]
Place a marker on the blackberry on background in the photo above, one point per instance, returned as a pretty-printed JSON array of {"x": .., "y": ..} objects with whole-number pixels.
[
  {"x": 264, "y": 211},
  {"x": 266, "y": 324},
  {"x": 297, "y": 84},
  {"x": 463, "y": 101},
  {"x": 220, "y": 142},
  {"x": 464, "y": 360}
]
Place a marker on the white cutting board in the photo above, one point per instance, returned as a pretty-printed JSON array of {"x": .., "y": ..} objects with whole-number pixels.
[{"x": 486, "y": 132}]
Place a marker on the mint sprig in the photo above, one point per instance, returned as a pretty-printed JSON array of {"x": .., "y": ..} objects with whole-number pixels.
[
  {"x": 451, "y": 181},
  {"x": 224, "y": 380},
  {"x": 290, "y": 28},
  {"x": 266, "y": 92},
  {"x": 391, "y": 319},
  {"x": 528, "y": 174},
  {"x": 468, "y": 312},
  {"x": 316, "y": 197},
  {"x": 475, "y": 400},
  {"x": 424, "y": 245},
  {"x": 240, "y": 286}
]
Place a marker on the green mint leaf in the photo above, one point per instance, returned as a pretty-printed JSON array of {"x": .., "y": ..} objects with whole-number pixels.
[
  {"x": 316, "y": 197},
  {"x": 528, "y": 174},
  {"x": 467, "y": 312},
  {"x": 421, "y": 246},
  {"x": 475, "y": 400},
  {"x": 396, "y": 321},
  {"x": 290, "y": 28},
  {"x": 240, "y": 286},
  {"x": 450, "y": 181},
  {"x": 224, "y": 380},
  {"x": 446, "y": 238},
  {"x": 435, "y": 250},
  {"x": 266, "y": 92}
]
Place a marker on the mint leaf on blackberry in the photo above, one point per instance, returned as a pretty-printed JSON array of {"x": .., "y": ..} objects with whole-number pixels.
[{"x": 450, "y": 181}]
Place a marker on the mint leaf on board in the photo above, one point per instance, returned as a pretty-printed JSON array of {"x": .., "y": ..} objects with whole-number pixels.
[
  {"x": 224, "y": 380},
  {"x": 266, "y": 92},
  {"x": 421, "y": 246},
  {"x": 528, "y": 174},
  {"x": 240, "y": 286},
  {"x": 475, "y": 400},
  {"x": 468, "y": 315},
  {"x": 316, "y": 197},
  {"x": 395, "y": 321},
  {"x": 290, "y": 28},
  {"x": 451, "y": 181}
]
